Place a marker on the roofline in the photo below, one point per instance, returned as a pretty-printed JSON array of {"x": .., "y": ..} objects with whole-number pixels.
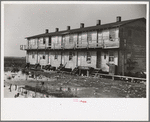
[{"x": 82, "y": 29}]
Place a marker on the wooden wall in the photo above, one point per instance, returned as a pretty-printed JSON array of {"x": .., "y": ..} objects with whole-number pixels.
[
  {"x": 134, "y": 34},
  {"x": 105, "y": 59}
]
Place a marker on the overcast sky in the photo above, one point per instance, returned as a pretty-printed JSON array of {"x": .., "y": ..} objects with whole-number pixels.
[{"x": 21, "y": 21}]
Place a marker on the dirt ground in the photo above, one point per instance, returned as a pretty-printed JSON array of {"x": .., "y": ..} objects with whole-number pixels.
[{"x": 86, "y": 87}]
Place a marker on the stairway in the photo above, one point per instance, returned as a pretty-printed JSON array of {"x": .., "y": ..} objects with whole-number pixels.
[
  {"x": 75, "y": 70},
  {"x": 27, "y": 65},
  {"x": 36, "y": 66},
  {"x": 95, "y": 72},
  {"x": 47, "y": 67}
]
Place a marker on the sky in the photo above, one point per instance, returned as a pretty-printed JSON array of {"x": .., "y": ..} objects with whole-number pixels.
[{"x": 23, "y": 20}]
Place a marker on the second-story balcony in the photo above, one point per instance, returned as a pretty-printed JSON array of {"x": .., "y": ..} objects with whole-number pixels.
[{"x": 104, "y": 44}]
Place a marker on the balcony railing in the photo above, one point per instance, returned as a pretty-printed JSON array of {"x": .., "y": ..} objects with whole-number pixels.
[{"x": 113, "y": 43}]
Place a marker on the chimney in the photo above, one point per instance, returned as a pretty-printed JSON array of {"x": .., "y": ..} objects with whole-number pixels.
[
  {"x": 46, "y": 30},
  {"x": 81, "y": 25},
  {"x": 68, "y": 27},
  {"x": 118, "y": 19},
  {"x": 57, "y": 29},
  {"x": 98, "y": 22}
]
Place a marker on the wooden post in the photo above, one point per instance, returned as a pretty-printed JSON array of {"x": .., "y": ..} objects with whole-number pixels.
[
  {"x": 37, "y": 58},
  {"x": 79, "y": 71},
  {"x": 87, "y": 73},
  {"x": 77, "y": 59},
  {"x": 97, "y": 39},
  {"x": 122, "y": 64},
  {"x": 61, "y": 57},
  {"x": 113, "y": 78}
]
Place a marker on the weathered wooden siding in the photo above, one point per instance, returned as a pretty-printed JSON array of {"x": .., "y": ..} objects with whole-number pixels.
[
  {"x": 32, "y": 43},
  {"x": 31, "y": 59},
  {"x": 69, "y": 41},
  {"x": 42, "y": 61},
  {"x": 56, "y": 42},
  {"x": 82, "y": 56},
  {"x": 134, "y": 34},
  {"x": 53, "y": 61},
  {"x": 92, "y": 38},
  {"x": 111, "y": 38},
  {"x": 69, "y": 63},
  {"x": 105, "y": 59}
]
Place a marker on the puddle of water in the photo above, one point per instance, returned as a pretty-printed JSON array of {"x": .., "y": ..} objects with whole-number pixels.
[{"x": 69, "y": 91}]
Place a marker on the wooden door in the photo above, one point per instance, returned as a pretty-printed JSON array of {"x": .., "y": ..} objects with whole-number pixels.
[
  {"x": 63, "y": 57},
  {"x": 49, "y": 44},
  {"x": 98, "y": 59}
]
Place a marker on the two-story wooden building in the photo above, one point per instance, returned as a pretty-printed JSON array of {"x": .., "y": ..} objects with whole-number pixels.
[{"x": 122, "y": 43}]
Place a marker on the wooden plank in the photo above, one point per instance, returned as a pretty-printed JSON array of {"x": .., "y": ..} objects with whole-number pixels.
[{"x": 121, "y": 76}]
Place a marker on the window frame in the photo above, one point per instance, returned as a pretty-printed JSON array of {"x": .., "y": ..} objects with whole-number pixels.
[
  {"x": 43, "y": 57},
  {"x": 56, "y": 56},
  {"x": 70, "y": 56},
  {"x": 44, "y": 40},
  {"x": 88, "y": 57},
  {"x": 111, "y": 57}
]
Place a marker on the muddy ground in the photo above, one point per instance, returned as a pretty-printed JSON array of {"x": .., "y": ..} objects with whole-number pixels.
[{"x": 85, "y": 87}]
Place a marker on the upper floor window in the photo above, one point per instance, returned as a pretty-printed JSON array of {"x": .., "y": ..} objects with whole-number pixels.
[
  {"x": 88, "y": 58},
  {"x": 43, "y": 56},
  {"x": 89, "y": 36},
  {"x": 44, "y": 40},
  {"x": 71, "y": 38},
  {"x": 111, "y": 56},
  {"x": 112, "y": 34}
]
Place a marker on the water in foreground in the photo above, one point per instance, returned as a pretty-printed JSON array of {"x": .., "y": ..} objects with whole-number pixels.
[{"x": 63, "y": 85}]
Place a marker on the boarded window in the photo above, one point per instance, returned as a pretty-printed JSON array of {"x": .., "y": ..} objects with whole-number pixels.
[
  {"x": 112, "y": 34},
  {"x": 80, "y": 39},
  {"x": 89, "y": 36},
  {"x": 94, "y": 36},
  {"x": 84, "y": 37},
  {"x": 70, "y": 56},
  {"x": 56, "y": 55},
  {"x": 111, "y": 56},
  {"x": 57, "y": 40},
  {"x": 67, "y": 39},
  {"x": 71, "y": 39},
  {"x": 106, "y": 34},
  {"x": 100, "y": 36},
  {"x": 88, "y": 58}
]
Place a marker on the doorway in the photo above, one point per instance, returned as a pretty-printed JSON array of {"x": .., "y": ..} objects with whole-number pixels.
[
  {"x": 49, "y": 44},
  {"x": 98, "y": 59}
]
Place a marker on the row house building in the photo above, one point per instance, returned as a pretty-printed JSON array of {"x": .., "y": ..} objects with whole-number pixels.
[{"x": 121, "y": 43}]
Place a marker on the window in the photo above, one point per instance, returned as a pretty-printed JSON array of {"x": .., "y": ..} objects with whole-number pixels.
[
  {"x": 43, "y": 56},
  {"x": 88, "y": 58},
  {"x": 129, "y": 33},
  {"x": 32, "y": 54},
  {"x": 71, "y": 39},
  {"x": 105, "y": 54},
  {"x": 56, "y": 55},
  {"x": 70, "y": 56},
  {"x": 89, "y": 36},
  {"x": 111, "y": 56}
]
